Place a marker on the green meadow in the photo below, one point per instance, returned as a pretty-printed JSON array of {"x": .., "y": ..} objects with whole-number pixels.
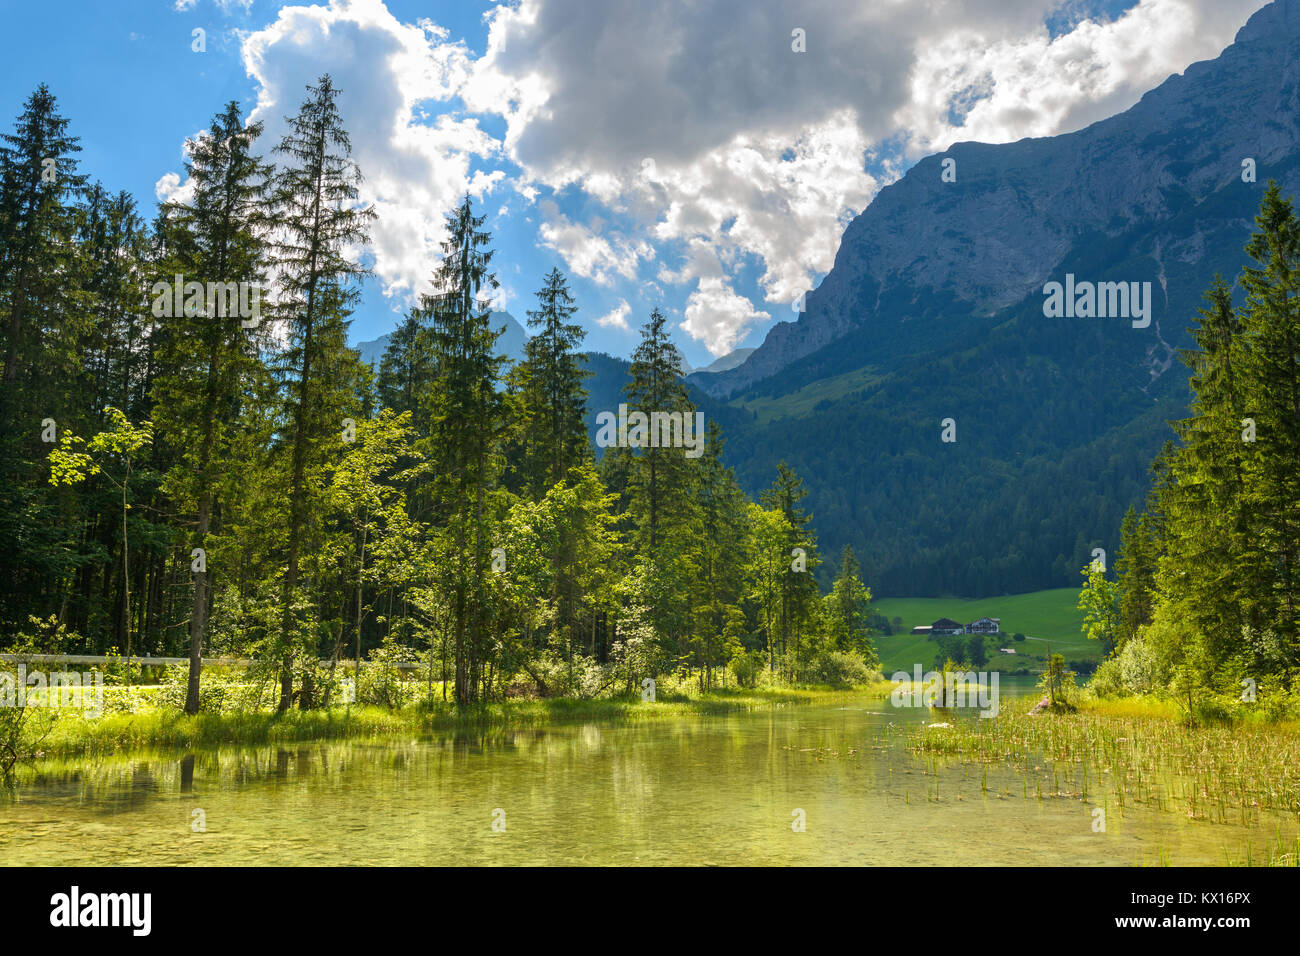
[{"x": 1044, "y": 617}]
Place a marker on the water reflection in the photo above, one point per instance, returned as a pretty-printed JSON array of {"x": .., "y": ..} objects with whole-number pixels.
[{"x": 707, "y": 790}]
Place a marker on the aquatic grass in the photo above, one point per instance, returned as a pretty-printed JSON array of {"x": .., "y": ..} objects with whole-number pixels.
[
  {"x": 1281, "y": 852},
  {"x": 162, "y": 729},
  {"x": 1219, "y": 772}
]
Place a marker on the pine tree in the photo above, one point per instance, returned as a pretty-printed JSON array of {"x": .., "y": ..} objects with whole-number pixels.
[
  {"x": 466, "y": 414},
  {"x": 318, "y": 224},
  {"x": 213, "y": 353},
  {"x": 552, "y": 401},
  {"x": 1270, "y": 367}
]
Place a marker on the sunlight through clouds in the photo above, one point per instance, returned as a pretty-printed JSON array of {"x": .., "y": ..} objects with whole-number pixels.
[{"x": 673, "y": 139}]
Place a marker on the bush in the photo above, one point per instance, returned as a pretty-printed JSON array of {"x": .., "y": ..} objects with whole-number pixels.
[
  {"x": 745, "y": 668},
  {"x": 840, "y": 669},
  {"x": 24, "y": 726},
  {"x": 1107, "y": 681},
  {"x": 1277, "y": 703},
  {"x": 220, "y": 692},
  {"x": 382, "y": 682},
  {"x": 1017, "y": 636},
  {"x": 1141, "y": 669}
]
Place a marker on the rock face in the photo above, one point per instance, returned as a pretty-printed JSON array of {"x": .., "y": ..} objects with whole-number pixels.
[
  {"x": 1017, "y": 210},
  {"x": 933, "y": 314}
]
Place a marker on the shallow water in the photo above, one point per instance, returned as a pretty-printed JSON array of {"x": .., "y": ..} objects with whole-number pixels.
[{"x": 690, "y": 790}]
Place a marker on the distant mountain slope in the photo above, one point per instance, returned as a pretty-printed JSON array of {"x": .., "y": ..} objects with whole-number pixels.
[
  {"x": 511, "y": 342},
  {"x": 934, "y": 310},
  {"x": 728, "y": 361},
  {"x": 720, "y": 364},
  {"x": 925, "y": 251}
]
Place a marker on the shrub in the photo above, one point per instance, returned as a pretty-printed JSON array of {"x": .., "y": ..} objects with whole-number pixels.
[
  {"x": 382, "y": 682},
  {"x": 220, "y": 692},
  {"x": 1108, "y": 680},
  {"x": 1141, "y": 670},
  {"x": 840, "y": 669},
  {"x": 745, "y": 668}
]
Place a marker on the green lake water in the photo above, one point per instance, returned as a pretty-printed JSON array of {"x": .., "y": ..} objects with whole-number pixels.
[{"x": 694, "y": 790}]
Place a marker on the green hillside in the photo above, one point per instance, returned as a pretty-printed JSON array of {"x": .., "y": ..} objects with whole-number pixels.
[{"x": 1042, "y": 616}]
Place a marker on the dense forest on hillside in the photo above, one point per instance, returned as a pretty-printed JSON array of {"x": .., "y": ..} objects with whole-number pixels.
[
  {"x": 1057, "y": 420},
  {"x": 1207, "y": 601},
  {"x": 195, "y": 463}
]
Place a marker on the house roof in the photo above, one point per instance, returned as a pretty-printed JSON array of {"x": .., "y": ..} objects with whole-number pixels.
[{"x": 945, "y": 622}]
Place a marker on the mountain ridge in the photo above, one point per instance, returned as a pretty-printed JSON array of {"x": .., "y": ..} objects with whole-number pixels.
[
  {"x": 887, "y": 255},
  {"x": 934, "y": 311}
]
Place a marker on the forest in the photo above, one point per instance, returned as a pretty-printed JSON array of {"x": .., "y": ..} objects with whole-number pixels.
[
  {"x": 1206, "y": 604},
  {"x": 195, "y": 463}
]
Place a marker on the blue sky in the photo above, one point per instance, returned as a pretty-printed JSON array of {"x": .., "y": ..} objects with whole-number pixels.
[{"x": 661, "y": 152}]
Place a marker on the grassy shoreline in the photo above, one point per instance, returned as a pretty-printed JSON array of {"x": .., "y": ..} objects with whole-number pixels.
[
  {"x": 157, "y": 729},
  {"x": 1134, "y": 750}
]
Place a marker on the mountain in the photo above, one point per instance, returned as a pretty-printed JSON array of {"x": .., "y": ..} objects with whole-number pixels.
[
  {"x": 934, "y": 309},
  {"x": 511, "y": 343},
  {"x": 720, "y": 364},
  {"x": 727, "y": 362}
]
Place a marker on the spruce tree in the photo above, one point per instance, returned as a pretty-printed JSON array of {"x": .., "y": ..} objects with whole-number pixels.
[
  {"x": 718, "y": 554},
  {"x": 1270, "y": 367},
  {"x": 798, "y": 587},
  {"x": 406, "y": 369},
  {"x": 662, "y": 477},
  {"x": 318, "y": 223},
  {"x": 466, "y": 422},
  {"x": 43, "y": 326},
  {"x": 212, "y": 354},
  {"x": 553, "y": 402}
]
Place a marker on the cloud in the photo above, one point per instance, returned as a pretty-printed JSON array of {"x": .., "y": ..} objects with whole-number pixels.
[
  {"x": 717, "y": 316},
  {"x": 688, "y": 132},
  {"x": 181, "y": 6},
  {"x": 398, "y": 85},
  {"x": 617, "y": 319},
  {"x": 587, "y": 253},
  {"x": 169, "y": 189},
  {"x": 1006, "y": 88},
  {"x": 698, "y": 121}
]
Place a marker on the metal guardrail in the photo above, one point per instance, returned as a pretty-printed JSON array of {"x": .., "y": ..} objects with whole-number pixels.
[
  {"x": 97, "y": 659},
  {"x": 164, "y": 661}
]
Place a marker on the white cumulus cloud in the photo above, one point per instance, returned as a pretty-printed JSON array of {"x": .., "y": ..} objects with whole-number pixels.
[{"x": 617, "y": 317}]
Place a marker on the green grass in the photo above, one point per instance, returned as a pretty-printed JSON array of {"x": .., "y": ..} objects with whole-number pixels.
[
  {"x": 804, "y": 401},
  {"x": 154, "y": 729},
  {"x": 1138, "y": 753},
  {"x": 1042, "y": 616}
]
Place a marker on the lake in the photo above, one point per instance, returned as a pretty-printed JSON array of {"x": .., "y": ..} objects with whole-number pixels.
[{"x": 692, "y": 790}]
